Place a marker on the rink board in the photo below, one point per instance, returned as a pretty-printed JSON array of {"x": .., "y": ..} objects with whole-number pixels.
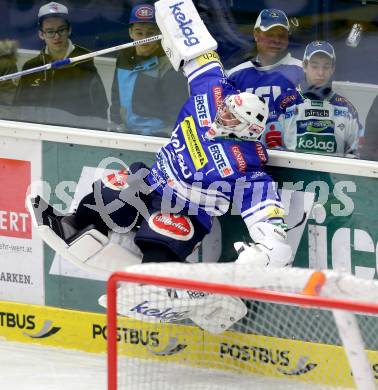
[
  {"x": 232, "y": 351},
  {"x": 341, "y": 234}
]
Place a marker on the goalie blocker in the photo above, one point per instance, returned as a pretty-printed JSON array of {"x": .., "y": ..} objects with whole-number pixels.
[{"x": 185, "y": 36}]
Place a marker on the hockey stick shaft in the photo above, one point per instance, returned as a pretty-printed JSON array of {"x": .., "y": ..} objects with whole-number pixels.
[{"x": 67, "y": 61}]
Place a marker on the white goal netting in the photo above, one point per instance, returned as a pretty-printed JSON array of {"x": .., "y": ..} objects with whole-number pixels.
[{"x": 222, "y": 326}]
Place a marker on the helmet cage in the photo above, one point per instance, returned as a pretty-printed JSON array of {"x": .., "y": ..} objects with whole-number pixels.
[{"x": 243, "y": 115}]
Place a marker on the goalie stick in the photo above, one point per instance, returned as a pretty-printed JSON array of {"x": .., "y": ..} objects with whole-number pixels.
[{"x": 68, "y": 61}]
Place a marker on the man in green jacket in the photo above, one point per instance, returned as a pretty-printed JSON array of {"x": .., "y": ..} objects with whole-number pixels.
[{"x": 77, "y": 88}]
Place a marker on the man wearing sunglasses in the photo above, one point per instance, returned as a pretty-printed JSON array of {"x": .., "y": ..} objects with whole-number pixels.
[{"x": 76, "y": 88}]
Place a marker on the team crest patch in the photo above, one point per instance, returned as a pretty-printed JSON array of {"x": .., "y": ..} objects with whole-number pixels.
[
  {"x": 178, "y": 227},
  {"x": 144, "y": 13},
  {"x": 117, "y": 181}
]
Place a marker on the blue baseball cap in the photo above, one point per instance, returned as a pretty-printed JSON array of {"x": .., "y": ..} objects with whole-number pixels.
[
  {"x": 271, "y": 17},
  {"x": 142, "y": 13},
  {"x": 319, "y": 47}
]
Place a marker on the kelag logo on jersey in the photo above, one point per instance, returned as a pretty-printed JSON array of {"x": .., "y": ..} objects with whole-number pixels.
[
  {"x": 220, "y": 159},
  {"x": 183, "y": 24},
  {"x": 202, "y": 110},
  {"x": 316, "y": 135},
  {"x": 316, "y": 143}
]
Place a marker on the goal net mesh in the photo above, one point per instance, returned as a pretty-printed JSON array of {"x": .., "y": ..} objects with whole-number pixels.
[{"x": 241, "y": 327}]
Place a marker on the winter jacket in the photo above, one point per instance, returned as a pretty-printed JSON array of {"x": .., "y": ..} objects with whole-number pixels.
[
  {"x": 147, "y": 93},
  {"x": 76, "y": 88}
]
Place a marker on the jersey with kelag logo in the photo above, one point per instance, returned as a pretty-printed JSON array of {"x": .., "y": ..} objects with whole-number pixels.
[
  {"x": 205, "y": 177},
  {"x": 268, "y": 81},
  {"x": 329, "y": 126}
]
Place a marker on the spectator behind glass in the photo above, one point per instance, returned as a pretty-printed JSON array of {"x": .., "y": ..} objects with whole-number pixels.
[
  {"x": 273, "y": 70},
  {"x": 76, "y": 88},
  {"x": 8, "y": 65},
  {"x": 147, "y": 92},
  {"x": 369, "y": 149},
  {"x": 313, "y": 118}
]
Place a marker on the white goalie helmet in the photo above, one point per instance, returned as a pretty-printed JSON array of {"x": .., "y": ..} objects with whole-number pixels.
[{"x": 243, "y": 115}]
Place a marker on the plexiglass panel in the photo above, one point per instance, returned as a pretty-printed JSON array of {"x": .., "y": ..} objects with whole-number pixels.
[{"x": 325, "y": 102}]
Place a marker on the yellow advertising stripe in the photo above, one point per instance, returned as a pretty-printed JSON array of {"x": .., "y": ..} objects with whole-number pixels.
[
  {"x": 184, "y": 344},
  {"x": 53, "y": 327},
  {"x": 282, "y": 358},
  {"x": 193, "y": 143},
  {"x": 87, "y": 332}
]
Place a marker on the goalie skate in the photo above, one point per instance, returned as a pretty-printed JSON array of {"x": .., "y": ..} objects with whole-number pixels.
[{"x": 86, "y": 248}]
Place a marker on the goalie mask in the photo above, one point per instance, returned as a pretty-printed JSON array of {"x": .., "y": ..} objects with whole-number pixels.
[{"x": 243, "y": 115}]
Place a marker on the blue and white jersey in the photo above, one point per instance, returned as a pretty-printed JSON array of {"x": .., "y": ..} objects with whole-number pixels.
[
  {"x": 328, "y": 126},
  {"x": 269, "y": 81},
  {"x": 207, "y": 176}
]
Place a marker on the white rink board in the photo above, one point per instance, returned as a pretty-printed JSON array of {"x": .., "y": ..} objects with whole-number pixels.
[{"x": 33, "y": 367}]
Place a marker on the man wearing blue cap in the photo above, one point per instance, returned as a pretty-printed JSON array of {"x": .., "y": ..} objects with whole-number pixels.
[
  {"x": 272, "y": 70},
  {"x": 313, "y": 118},
  {"x": 146, "y": 93}
]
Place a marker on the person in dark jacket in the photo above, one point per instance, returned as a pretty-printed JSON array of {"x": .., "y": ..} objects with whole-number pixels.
[
  {"x": 147, "y": 92},
  {"x": 370, "y": 146},
  {"x": 8, "y": 65},
  {"x": 76, "y": 88}
]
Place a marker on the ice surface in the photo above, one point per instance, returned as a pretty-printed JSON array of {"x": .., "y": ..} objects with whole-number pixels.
[{"x": 34, "y": 367}]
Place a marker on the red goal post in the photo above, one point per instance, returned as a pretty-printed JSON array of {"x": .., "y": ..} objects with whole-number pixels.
[{"x": 307, "y": 352}]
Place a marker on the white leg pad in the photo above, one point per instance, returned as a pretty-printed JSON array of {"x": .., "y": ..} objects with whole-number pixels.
[
  {"x": 218, "y": 313},
  {"x": 92, "y": 252},
  {"x": 213, "y": 313}
]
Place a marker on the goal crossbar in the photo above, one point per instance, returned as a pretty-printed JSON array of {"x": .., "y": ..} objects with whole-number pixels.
[{"x": 258, "y": 294}]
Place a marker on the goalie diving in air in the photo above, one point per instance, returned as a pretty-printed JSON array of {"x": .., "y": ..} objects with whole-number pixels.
[{"x": 212, "y": 162}]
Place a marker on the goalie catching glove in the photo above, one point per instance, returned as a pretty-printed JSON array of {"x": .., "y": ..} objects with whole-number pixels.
[
  {"x": 269, "y": 248},
  {"x": 185, "y": 36}
]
